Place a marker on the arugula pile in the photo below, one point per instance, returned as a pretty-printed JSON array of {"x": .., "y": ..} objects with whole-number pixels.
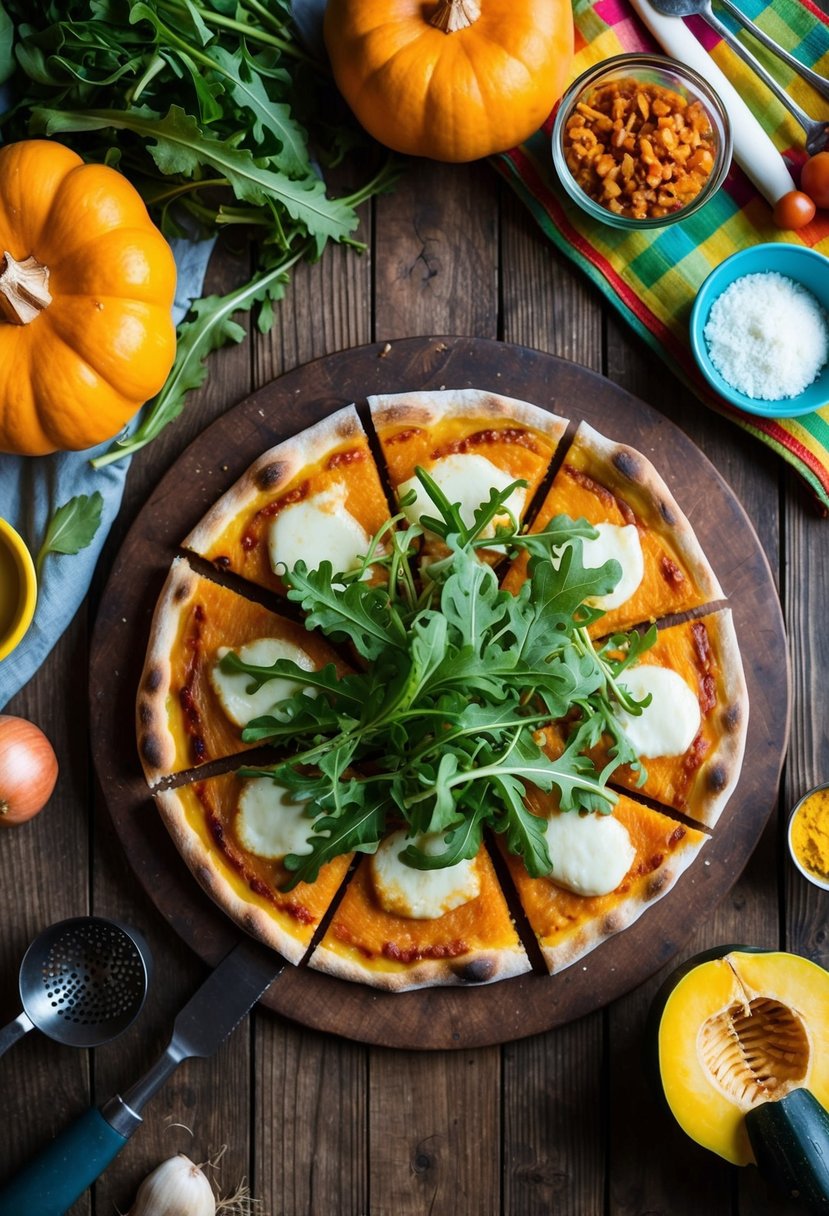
[
  {"x": 205, "y": 105},
  {"x": 444, "y": 728}
]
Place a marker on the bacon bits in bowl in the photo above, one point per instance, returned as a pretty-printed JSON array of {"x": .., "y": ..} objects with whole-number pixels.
[
  {"x": 760, "y": 330},
  {"x": 641, "y": 141}
]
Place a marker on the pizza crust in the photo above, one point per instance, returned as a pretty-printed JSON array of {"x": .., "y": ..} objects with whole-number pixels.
[
  {"x": 157, "y": 746},
  {"x": 428, "y": 408},
  {"x": 273, "y": 472},
  {"x": 477, "y": 967},
  {"x": 628, "y": 471}
]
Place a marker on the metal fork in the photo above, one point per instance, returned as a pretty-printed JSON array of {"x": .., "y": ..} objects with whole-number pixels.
[{"x": 817, "y": 130}]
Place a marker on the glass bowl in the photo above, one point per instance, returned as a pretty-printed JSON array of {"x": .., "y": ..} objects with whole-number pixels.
[
  {"x": 805, "y": 266},
  {"x": 812, "y": 877},
  {"x": 649, "y": 70}
]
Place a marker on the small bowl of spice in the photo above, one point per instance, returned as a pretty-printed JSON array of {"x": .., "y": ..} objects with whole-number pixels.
[
  {"x": 760, "y": 330},
  {"x": 641, "y": 141},
  {"x": 809, "y": 836}
]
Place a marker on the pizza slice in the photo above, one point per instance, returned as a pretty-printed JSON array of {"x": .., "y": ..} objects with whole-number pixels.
[
  {"x": 691, "y": 736},
  {"x": 400, "y": 928},
  {"x": 188, "y": 710},
  {"x": 234, "y": 835},
  {"x": 607, "y": 870},
  {"x": 470, "y": 442},
  {"x": 316, "y": 497},
  {"x": 615, "y": 488}
]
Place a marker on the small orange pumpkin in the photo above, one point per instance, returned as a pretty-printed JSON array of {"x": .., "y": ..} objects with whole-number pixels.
[
  {"x": 452, "y": 80},
  {"x": 86, "y": 287}
]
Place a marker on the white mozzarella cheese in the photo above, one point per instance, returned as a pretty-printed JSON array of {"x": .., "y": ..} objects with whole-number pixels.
[
  {"x": 467, "y": 479},
  {"x": 316, "y": 530},
  {"x": 591, "y": 853},
  {"x": 269, "y": 823},
  {"x": 668, "y": 726},
  {"x": 242, "y": 706},
  {"x": 421, "y": 894},
  {"x": 621, "y": 543}
]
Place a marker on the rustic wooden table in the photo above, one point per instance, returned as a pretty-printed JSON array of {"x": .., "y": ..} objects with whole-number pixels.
[{"x": 564, "y": 1122}]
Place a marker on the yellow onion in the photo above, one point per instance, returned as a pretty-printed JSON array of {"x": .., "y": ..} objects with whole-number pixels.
[{"x": 28, "y": 770}]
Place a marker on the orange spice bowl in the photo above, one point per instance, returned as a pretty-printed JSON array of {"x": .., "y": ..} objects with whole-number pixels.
[
  {"x": 796, "y": 824},
  {"x": 18, "y": 588}
]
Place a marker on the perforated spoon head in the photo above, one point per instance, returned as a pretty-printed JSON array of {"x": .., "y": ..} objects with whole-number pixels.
[{"x": 83, "y": 981}]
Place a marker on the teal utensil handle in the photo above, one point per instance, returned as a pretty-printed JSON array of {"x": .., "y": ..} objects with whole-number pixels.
[{"x": 63, "y": 1170}]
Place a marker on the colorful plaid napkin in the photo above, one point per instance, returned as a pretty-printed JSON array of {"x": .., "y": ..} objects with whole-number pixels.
[{"x": 652, "y": 277}]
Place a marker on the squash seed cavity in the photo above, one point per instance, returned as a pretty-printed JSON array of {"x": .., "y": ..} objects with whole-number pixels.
[{"x": 756, "y": 1052}]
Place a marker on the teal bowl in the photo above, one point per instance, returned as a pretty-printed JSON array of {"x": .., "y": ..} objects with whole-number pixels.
[{"x": 804, "y": 266}]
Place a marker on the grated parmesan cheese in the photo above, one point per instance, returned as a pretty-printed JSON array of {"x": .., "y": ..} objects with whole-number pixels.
[{"x": 767, "y": 336}]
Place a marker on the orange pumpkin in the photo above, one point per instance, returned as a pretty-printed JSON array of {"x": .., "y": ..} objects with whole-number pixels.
[
  {"x": 453, "y": 80},
  {"x": 86, "y": 287}
]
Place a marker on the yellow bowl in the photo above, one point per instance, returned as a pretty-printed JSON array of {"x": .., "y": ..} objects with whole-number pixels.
[{"x": 18, "y": 588}]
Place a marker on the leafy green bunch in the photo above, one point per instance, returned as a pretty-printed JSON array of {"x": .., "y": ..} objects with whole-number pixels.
[
  {"x": 218, "y": 115},
  {"x": 443, "y": 729}
]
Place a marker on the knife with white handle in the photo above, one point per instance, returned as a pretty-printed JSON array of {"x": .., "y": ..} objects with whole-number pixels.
[{"x": 754, "y": 151}]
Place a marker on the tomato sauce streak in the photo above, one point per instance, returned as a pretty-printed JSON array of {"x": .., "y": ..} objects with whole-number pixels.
[
  {"x": 351, "y": 456},
  {"x": 404, "y": 436},
  {"x": 511, "y": 434},
  {"x": 396, "y": 954},
  {"x": 705, "y": 662},
  {"x": 236, "y": 861},
  {"x": 671, "y": 571},
  {"x": 189, "y": 708}
]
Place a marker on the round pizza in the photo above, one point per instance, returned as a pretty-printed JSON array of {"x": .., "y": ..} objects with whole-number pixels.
[{"x": 439, "y": 690}]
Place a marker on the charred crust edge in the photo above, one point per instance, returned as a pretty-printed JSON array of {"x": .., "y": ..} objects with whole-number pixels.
[
  {"x": 628, "y": 464},
  {"x": 476, "y": 971},
  {"x": 152, "y": 750},
  {"x": 271, "y": 474},
  {"x": 717, "y": 778}
]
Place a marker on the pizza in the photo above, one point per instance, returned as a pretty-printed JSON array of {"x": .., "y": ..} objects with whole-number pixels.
[
  {"x": 364, "y": 895},
  {"x": 617, "y": 489}
]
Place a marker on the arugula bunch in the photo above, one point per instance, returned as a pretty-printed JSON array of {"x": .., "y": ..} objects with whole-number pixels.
[
  {"x": 217, "y": 114},
  {"x": 444, "y": 729}
]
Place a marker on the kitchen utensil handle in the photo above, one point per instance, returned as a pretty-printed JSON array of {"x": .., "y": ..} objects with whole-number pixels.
[
  {"x": 819, "y": 83},
  {"x": 756, "y": 66},
  {"x": 61, "y": 1172},
  {"x": 15, "y": 1030}
]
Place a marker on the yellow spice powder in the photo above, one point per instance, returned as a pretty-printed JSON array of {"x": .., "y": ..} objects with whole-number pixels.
[{"x": 810, "y": 834}]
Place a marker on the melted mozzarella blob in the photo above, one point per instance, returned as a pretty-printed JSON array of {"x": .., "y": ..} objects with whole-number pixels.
[
  {"x": 421, "y": 894},
  {"x": 269, "y": 823},
  {"x": 242, "y": 706},
  {"x": 467, "y": 479},
  {"x": 591, "y": 853},
  {"x": 669, "y": 725},
  {"x": 622, "y": 544},
  {"x": 316, "y": 530}
]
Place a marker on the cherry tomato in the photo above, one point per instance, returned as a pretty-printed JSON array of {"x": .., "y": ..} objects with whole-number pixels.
[
  {"x": 793, "y": 210},
  {"x": 815, "y": 179}
]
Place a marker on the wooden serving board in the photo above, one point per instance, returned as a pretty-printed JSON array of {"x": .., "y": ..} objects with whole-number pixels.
[{"x": 440, "y": 1017}]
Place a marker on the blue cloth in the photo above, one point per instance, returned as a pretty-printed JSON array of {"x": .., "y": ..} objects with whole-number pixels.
[{"x": 32, "y": 487}]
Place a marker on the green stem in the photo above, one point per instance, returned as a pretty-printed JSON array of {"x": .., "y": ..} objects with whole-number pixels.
[
  {"x": 157, "y": 64},
  {"x": 253, "y": 34}
]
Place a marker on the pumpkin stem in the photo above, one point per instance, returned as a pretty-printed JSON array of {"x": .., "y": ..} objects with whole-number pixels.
[
  {"x": 453, "y": 15},
  {"x": 24, "y": 289}
]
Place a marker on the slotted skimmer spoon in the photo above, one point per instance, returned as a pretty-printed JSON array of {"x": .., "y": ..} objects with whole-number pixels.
[
  {"x": 817, "y": 131},
  {"x": 82, "y": 983}
]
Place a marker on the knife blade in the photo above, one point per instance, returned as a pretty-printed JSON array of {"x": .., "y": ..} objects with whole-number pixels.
[{"x": 62, "y": 1171}]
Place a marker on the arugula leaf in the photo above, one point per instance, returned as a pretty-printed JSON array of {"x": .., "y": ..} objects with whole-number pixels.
[
  {"x": 72, "y": 527},
  {"x": 355, "y": 612},
  {"x": 6, "y": 45}
]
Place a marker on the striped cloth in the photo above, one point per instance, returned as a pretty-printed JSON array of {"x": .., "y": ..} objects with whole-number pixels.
[{"x": 652, "y": 277}]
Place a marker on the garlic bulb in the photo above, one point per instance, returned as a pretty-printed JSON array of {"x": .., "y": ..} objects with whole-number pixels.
[{"x": 177, "y": 1187}]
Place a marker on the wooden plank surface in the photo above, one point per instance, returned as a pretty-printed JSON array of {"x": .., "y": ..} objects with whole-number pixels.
[{"x": 562, "y": 1123}]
